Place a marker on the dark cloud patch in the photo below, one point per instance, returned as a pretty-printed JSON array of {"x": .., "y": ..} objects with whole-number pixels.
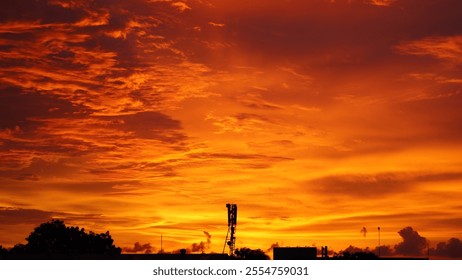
[
  {"x": 31, "y": 188},
  {"x": 451, "y": 249},
  {"x": 384, "y": 251},
  {"x": 361, "y": 185},
  {"x": 48, "y": 145},
  {"x": 376, "y": 185},
  {"x": 203, "y": 245},
  {"x": 418, "y": 19},
  {"x": 438, "y": 177},
  {"x": 11, "y": 39},
  {"x": 38, "y": 168},
  {"x": 438, "y": 125},
  {"x": 284, "y": 144},
  {"x": 247, "y": 116},
  {"x": 140, "y": 248},
  {"x": 236, "y": 156},
  {"x": 14, "y": 216},
  {"x": 23, "y": 109},
  {"x": 252, "y": 161},
  {"x": 6, "y": 48},
  {"x": 90, "y": 187},
  {"x": 39, "y": 10},
  {"x": 260, "y": 105},
  {"x": 258, "y": 29},
  {"x": 412, "y": 245},
  {"x": 27, "y": 177},
  {"x": 148, "y": 125},
  {"x": 131, "y": 25},
  {"x": 111, "y": 169},
  {"x": 362, "y": 29},
  {"x": 145, "y": 122},
  {"x": 164, "y": 169},
  {"x": 154, "y": 169}
]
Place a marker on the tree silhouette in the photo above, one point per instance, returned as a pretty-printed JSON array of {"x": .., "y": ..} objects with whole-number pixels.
[
  {"x": 3, "y": 252},
  {"x": 345, "y": 255},
  {"x": 249, "y": 254},
  {"x": 55, "y": 238},
  {"x": 18, "y": 249}
]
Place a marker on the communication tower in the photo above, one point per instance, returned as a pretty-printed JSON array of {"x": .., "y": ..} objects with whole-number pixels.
[{"x": 232, "y": 222}]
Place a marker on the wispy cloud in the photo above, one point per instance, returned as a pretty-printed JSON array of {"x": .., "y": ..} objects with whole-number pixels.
[{"x": 446, "y": 48}]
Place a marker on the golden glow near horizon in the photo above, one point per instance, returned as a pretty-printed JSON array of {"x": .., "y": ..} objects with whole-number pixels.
[{"x": 317, "y": 118}]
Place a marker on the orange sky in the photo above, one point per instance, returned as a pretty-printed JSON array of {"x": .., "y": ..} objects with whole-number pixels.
[{"x": 316, "y": 117}]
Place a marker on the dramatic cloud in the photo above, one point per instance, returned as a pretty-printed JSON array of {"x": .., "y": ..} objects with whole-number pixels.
[
  {"x": 317, "y": 117},
  {"x": 413, "y": 244},
  {"x": 450, "y": 249}
]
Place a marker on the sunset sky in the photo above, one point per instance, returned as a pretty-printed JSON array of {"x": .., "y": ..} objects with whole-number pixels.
[{"x": 316, "y": 117}]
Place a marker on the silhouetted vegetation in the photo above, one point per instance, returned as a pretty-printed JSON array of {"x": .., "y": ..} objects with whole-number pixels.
[
  {"x": 18, "y": 249},
  {"x": 56, "y": 239},
  {"x": 3, "y": 252},
  {"x": 249, "y": 254},
  {"x": 345, "y": 255}
]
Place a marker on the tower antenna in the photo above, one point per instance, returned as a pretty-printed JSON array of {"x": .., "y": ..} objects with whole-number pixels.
[{"x": 232, "y": 222}]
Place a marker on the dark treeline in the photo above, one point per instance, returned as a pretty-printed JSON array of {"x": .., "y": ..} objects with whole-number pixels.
[
  {"x": 56, "y": 240},
  {"x": 345, "y": 255}
]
